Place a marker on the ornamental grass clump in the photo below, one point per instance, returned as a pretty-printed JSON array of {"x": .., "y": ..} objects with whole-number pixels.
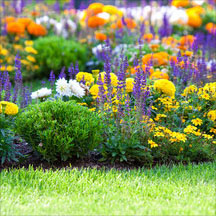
[{"x": 59, "y": 130}]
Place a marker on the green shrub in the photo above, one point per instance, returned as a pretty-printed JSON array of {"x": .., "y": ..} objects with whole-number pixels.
[
  {"x": 54, "y": 53},
  {"x": 59, "y": 130}
]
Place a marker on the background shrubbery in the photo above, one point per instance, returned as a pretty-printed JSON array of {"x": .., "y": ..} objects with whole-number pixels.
[{"x": 56, "y": 53}]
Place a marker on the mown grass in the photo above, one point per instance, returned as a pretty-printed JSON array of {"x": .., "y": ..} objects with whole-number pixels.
[{"x": 180, "y": 190}]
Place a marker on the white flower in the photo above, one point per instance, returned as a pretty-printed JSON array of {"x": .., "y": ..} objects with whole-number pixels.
[
  {"x": 76, "y": 89},
  {"x": 62, "y": 87},
  {"x": 98, "y": 48},
  {"x": 41, "y": 93},
  {"x": 104, "y": 15}
]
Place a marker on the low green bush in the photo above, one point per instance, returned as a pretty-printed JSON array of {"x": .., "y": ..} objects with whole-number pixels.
[
  {"x": 59, "y": 130},
  {"x": 54, "y": 53}
]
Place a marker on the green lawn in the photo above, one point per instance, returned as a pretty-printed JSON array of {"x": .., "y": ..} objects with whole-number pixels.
[{"x": 180, "y": 190}]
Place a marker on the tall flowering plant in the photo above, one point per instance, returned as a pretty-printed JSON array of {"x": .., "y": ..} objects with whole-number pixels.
[{"x": 8, "y": 111}]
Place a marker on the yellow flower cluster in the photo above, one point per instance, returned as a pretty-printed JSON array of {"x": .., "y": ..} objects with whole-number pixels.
[
  {"x": 208, "y": 92},
  {"x": 8, "y": 108},
  {"x": 129, "y": 85},
  {"x": 189, "y": 90},
  {"x": 212, "y": 115},
  {"x": 168, "y": 103},
  {"x": 89, "y": 79},
  {"x": 113, "y": 77},
  {"x": 166, "y": 87},
  {"x": 170, "y": 135},
  {"x": 159, "y": 116}
]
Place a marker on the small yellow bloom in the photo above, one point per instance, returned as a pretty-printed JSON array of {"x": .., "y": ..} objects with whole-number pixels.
[
  {"x": 152, "y": 143},
  {"x": 29, "y": 43},
  {"x": 4, "y": 52},
  {"x": 92, "y": 109},
  {"x": 197, "y": 121},
  {"x": 31, "y": 58},
  {"x": 30, "y": 49}
]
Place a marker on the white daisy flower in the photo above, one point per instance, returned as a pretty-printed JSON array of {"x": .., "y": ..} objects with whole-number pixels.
[
  {"x": 62, "y": 87},
  {"x": 41, "y": 93}
]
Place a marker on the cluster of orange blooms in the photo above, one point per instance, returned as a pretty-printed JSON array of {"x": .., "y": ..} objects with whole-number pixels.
[
  {"x": 211, "y": 27},
  {"x": 19, "y": 25}
]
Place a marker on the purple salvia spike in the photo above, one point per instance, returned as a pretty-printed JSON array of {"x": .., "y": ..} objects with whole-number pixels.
[
  {"x": 62, "y": 74},
  {"x": 52, "y": 79}
]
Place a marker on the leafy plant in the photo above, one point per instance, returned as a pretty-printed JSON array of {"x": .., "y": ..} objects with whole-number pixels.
[
  {"x": 60, "y": 130},
  {"x": 54, "y": 53},
  {"x": 7, "y": 149}
]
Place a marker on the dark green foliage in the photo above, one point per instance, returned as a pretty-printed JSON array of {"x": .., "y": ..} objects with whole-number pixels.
[
  {"x": 54, "y": 53},
  {"x": 60, "y": 130},
  {"x": 7, "y": 149}
]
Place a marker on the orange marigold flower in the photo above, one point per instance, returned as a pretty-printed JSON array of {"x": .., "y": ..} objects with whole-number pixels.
[
  {"x": 16, "y": 28},
  {"x": 36, "y": 29},
  {"x": 210, "y": 27},
  {"x": 9, "y": 19},
  {"x": 148, "y": 37},
  {"x": 130, "y": 23},
  {"x": 173, "y": 59},
  {"x": 100, "y": 36},
  {"x": 35, "y": 13},
  {"x": 187, "y": 40},
  {"x": 180, "y": 3},
  {"x": 159, "y": 75},
  {"x": 24, "y": 20},
  {"x": 95, "y": 8},
  {"x": 194, "y": 19},
  {"x": 144, "y": 68},
  {"x": 94, "y": 22},
  {"x": 158, "y": 59}
]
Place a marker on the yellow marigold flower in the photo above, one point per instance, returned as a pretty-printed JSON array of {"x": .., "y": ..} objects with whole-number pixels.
[
  {"x": 94, "y": 90},
  {"x": 152, "y": 143},
  {"x": 181, "y": 149},
  {"x": 30, "y": 49},
  {"x": 8, "y": 108},
  {"x": 129, "y": 84},
  {"x": 212, "y": 115},
  {"x": 29, "y": 43},
  {"x": 189, "y": 90},
  {"x": 197, "y": 121},
  {"x": 31, "y": 58},
  {"x": 165, "y": 86},
  {"x": 86, "y": 76},
  {"x": 110, "y": 9},
  {"x": 3, "y": 52},
  {"x": 113, "y": 77}
]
